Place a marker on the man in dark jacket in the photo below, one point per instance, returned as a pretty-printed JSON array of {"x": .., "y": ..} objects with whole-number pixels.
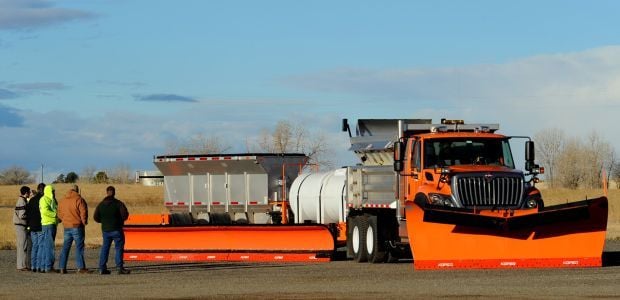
[
  {"x": 111, "y": 213},
  {"x": 36, "y": 234}
]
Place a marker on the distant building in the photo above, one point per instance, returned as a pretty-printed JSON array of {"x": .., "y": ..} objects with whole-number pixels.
[{"x": 150, "y": 178}]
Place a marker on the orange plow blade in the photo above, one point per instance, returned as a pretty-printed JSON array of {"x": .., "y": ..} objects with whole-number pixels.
[
  {"x": 562, "y": 236},
  {"x": 251, "y": 243}
]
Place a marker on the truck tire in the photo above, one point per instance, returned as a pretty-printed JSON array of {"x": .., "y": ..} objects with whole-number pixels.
[
  {"x": 374, "y": 242},
  {"x": 358, "y": 238}
]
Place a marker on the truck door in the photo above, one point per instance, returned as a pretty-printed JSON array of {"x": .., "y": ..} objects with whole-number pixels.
[{"x": 415, "y": 169}]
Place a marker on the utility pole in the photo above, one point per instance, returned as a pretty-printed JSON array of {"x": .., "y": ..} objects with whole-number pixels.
[{"x": 41, "y": 173}]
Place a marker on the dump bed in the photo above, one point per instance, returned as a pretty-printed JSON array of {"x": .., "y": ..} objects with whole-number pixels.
[{"x": 373, "y": 183}]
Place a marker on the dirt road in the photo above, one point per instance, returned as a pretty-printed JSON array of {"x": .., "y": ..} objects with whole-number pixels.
[{"x": 334, "y": 280}]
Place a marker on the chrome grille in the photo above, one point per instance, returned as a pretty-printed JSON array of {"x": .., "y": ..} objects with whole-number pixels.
[{"x": 489, "y": 190}]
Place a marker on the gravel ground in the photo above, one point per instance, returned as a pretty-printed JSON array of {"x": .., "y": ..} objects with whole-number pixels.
[{"x": 334, "y": 280}]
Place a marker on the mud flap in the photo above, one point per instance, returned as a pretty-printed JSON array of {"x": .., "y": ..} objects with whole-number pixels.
[
  {"x": 251, "y": 243},
  {"x": 561, "y": 236}
]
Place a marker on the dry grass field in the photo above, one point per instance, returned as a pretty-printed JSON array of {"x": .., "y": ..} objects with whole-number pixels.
[
  {"x": 142, "y": 199},
  {"x": 138, "y": 198}
]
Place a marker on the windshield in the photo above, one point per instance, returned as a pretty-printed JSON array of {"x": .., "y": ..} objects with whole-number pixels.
[{"x": 467, "y": 151}]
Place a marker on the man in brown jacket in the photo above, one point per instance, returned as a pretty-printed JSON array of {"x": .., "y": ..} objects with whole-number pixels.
[{"x": 73, "y": 213}]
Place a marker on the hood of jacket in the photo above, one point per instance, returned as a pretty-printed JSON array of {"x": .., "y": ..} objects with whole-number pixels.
[{"x": 48, "y": 191}]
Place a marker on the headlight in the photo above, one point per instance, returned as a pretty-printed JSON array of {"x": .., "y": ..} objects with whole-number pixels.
[
  {"x": 441, "y": 200},
  {"x": 531, "y": 203}
]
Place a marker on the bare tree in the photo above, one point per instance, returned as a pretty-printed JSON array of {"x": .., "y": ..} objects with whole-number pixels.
[
  {"x": 282, "y": 137},
  {"x": 15, "y": 175},
  {"x": 88, "y": 174},
  {"x": 290, "y": 137},
  {"x": 612, "y": 163},
  {"x": 596, "y": 156},
  {"x": 198, "y": 144},
  {"x": 121, "y": 173},
  {"x": 569, "y": 168},
  {"x": 549, "y": 144},
  {"x": 616, "y": 174}
]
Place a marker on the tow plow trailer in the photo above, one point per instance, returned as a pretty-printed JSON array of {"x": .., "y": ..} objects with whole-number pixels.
[
  {"x": 251, "y": 243},
  {"x": 226, "y": 208}
]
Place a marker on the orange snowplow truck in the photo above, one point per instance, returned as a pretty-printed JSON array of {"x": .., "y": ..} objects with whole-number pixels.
[
  {"x": 465, "y": 204},
  {"x": 448, "y": 195}
]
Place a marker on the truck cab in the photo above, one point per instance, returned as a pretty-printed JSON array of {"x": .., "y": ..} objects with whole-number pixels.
[{"x": 470, "y": 168}]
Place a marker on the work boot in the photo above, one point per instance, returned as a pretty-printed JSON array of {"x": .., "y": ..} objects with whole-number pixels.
[
  {"x": 83, "y": 271},
  {"x": 63, "y": 271},
  {"x": 123, "y": 271},
  {"x": 104, "y": 272}
]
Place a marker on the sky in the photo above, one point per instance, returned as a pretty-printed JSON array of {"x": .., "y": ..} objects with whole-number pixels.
[{"x": 102, "y": 83}]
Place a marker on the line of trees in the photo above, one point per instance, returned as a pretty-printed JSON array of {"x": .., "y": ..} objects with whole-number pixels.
[
  {"x": 15, "y": 175},
  {"x": 122, "y": 173},
  {"x": 573, "y": 162},
  {"x": 285, "y": 137},
  {"x": 569, "y": 161}
]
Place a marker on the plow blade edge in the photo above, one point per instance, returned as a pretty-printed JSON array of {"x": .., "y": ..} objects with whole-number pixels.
[
  {"x": 251, "y": 243},
  {"x": 562, "y": 236}
]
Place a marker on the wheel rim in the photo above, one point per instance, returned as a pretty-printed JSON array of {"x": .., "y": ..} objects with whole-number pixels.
[
  {"x": 370, "y": 240},
  {"x": 356, "y": 239}
]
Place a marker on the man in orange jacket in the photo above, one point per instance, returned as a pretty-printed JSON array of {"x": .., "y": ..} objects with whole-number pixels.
[{"x": 73, "y": 213}]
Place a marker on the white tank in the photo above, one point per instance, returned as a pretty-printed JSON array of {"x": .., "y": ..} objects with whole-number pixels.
[{"x": 319, "y": 197}]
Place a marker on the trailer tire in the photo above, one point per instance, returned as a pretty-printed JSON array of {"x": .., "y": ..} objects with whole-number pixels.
[
  {"x": 181, "y": 219},
  {"x": 220, "y": 219},
  {"x": 358, "y": 238},
  {"x": 374, "y": 242}
]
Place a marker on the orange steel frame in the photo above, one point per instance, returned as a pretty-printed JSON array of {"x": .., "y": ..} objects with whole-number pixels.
[{"x": 292, "y": 243}]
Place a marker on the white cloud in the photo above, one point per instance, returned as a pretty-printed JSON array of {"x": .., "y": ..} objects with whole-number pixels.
[
  {"x": 66, "y": 141},
  {"x": 590, "y": 77},
  {"x": 27, "y": 14},
  {"x": 577, "y": 91}
]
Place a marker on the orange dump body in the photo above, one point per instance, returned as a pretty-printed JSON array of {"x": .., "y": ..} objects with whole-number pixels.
[
  {"x": 252, "y": 243},
  {"x": 561, "y": 236}
]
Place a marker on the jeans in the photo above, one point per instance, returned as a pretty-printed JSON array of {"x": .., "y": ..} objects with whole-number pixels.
[
  {"x": 36, "y": 259},
  {"x": 70, "y": 235},
  {"x": 119, "y": 243},
  {"x": 49, "y": 236}
]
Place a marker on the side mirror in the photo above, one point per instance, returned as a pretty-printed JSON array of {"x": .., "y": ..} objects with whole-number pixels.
[
  {"x": 345, "y": 126},
  {"x": 399, "y": 154},
  {"x": 398, "y": 166},
  {"x": 529, "y": 155}
]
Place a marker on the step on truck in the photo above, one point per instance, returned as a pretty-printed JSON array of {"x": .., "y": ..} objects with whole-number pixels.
[{"x": 447, "y": 194}]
